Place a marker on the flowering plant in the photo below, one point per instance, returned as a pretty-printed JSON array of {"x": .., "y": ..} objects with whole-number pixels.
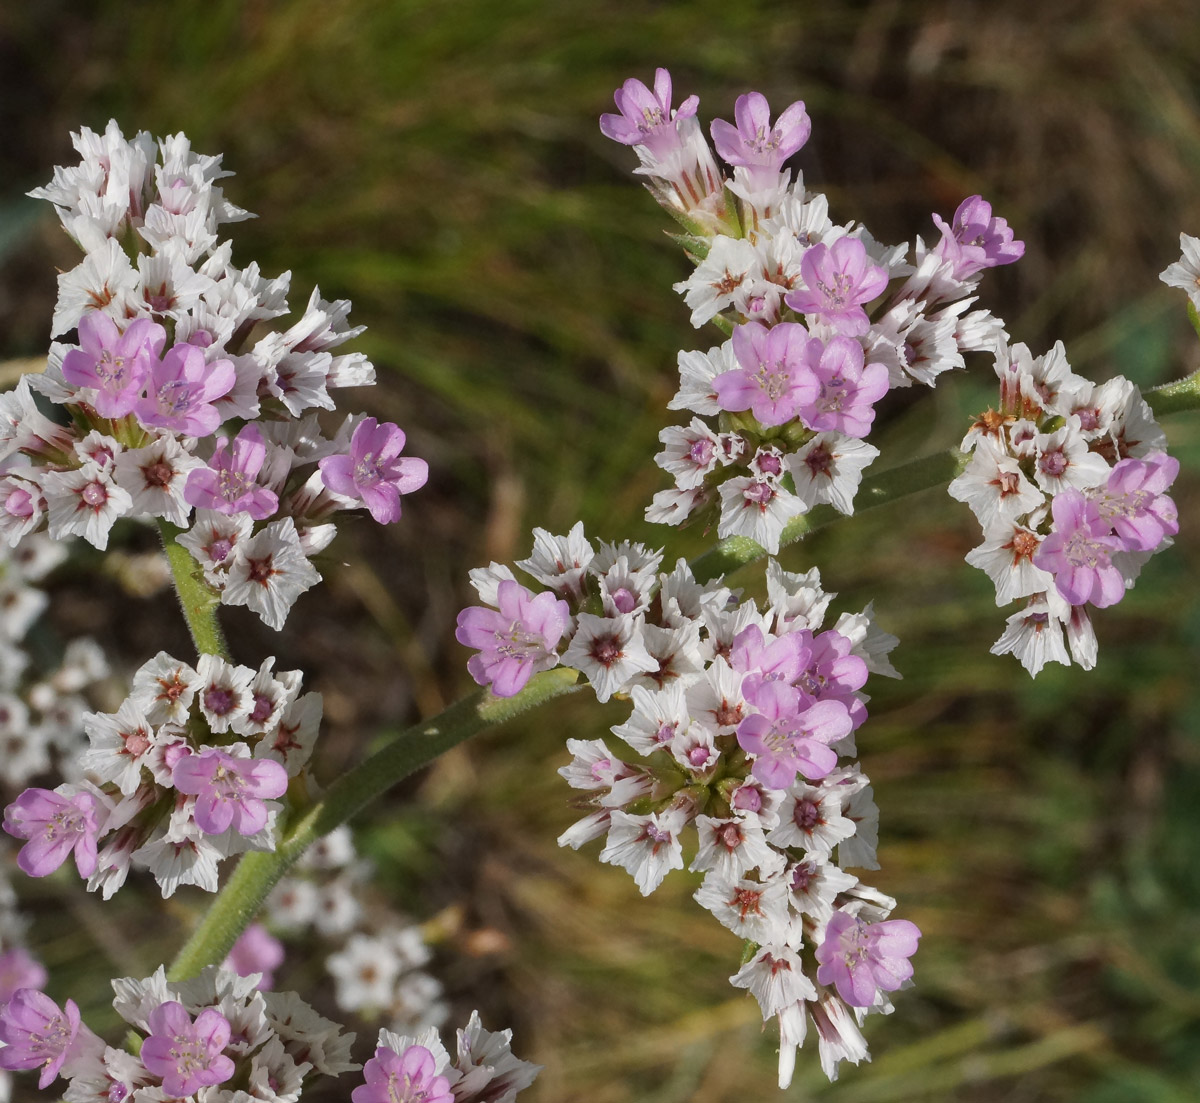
[{"x": 186, "y": 400}]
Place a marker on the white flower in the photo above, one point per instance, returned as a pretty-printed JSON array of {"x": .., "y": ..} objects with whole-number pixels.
[
  {"x": 757, "y": 508},
  {"x": 163, "y": 689},
  {"x": 697, "y": 370},
  {"x": 119, "y": 741},
  {"x": 213, "y": 539},
  {"x": 775, "y": 977},
  {"x": 223, "y": 694},
  {"x": 560, "y": 562},
  {"x": 731, "y": 846},
  {"x": 269, "y": 572},
  {"x": 84, "y": 502},
  {"x": 365, "y": 973},
  {"x": 1185, "y": 272},
  {"x": 751, "y": 909},
  {"x": 1034, "y": 636},
  {"x": 154, "y": 477},
  {"x": 829, "y": 468},
  {"x": 647, "y": 847},
  {"x": 718, "y": 279},
  {"x": 609, "y": 651}
]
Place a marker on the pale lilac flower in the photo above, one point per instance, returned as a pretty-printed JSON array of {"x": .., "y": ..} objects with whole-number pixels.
[
  {"x": 114, "y": 363},
  {"x": 785, "y": 742},
  {"x": 838, "y": 280},
  {"x": 646, "y": 117},
  {"x": 19, "y": 970},
  {"x": 408, "y": 1077},
  {"x": 374, "y": 470},
  {"x": 187, "y": 1055},
  {"x": 861, "y": 958},
  {"x": 976, "y": 240},
  {"x": 56, "y": 824},
  {"x": 846, "y": 388},
  {"x": 774, "y": 380},
  {"x": 1133, "y": 501},
  {"x": 1079, "y": 551},
  {"x": 228, "y": 483},
  {"x": 515, "y": 641},
  {"x": 754, "y": 143},
  {"x": 256, "y": 951},
  {"x": 229, "y": 791},
  {"x": 38, "y": 1033},
  {"x": 181, "y": 390}
]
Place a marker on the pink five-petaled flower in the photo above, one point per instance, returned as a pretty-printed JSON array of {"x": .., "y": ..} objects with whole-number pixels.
[
  {"x": 408, "y": 1077},
  {"x": 860, "y": 958},
  {"x": 646, "y": 118},
  {"x": 1134, "y": 504},
  {"x": 256, "y": 951},
  {"x": 975, "y": 240},
  {"x": 773, "y": 381},
  {"x": 18, "y": 969},
  {"x": 186, "y": 1055},
  {"x": 847, "y": 388},
  {"x": 227, "y": 484},
  {"x": 754, "y": 143},
  {"x": 115, "y": 363},
  {"x": 181, "y": 389},
  {"x": 37, "y": 1033},
  {"x": 229, "y": 791},
  {"x": 838, "y": 280},
  {"x": 515, "y": 641},
  {"x": 1078, "y": 552},
  {"x": 374, "y": 470},
  {"x": 55, "y": 824},
  {"x": 785, "y": 741}
]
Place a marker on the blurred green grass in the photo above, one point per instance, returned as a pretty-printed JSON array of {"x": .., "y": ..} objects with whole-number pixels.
[{"x": 440, "y": 165}]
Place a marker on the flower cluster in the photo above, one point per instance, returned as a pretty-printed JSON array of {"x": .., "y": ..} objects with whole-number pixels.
[
  {"x": 186, "y": 772},
  {"x": 184, "y": 404},
  {"x": 376, "y": 968},
  {"x": 745, "y": 720},
  {"x": 420, "y": 1070},
  {"x": 194, "y": 1040},
  {"x": 784, "y": 404},
  {"x": 1068, "y": 481}
]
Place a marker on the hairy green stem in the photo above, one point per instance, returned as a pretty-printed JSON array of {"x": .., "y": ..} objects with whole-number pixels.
[
  {"x": 258, "y": 872},
  {"x": 198, "y": 600}
]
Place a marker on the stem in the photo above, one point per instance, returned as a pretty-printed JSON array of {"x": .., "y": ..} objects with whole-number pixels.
[
  {"x": 258, "y": 872},
  {"x": 198, "y": 600},
  {"x": 1172, "y": 398}
]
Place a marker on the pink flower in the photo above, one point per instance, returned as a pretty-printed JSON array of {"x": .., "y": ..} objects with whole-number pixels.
[
  {"x": 848, "y": 388},
  {"x": 1134, "y": 504},
  {"x": 181, "y": 390},
  {"x": 114, "y": 363},
  {"x": 407, "y": 1077},
  {"x": 754, "y": 143},
  {"x": 515, "y": 641},
  {"x": 55, "y": 825},
  {"x": 860, "y": 958},
  {"x": 18, "y": 969},
  {"x": 256, "y": 951},
  {"x": 774, "y": 379},
  {"x": 646, "y": 118},
  {"x": 187, "y": 1055},
  {"x": 785, "y": 741},
  {"x": 229, "y": 791},
  {"x": 976, "y": 240},
  {"x": 227, "y": 484},
  {"x": 37, "y": 1033},
  {"x": 374, "y": 470},
  {"x": 837, "y": 281},
  {"x": 1078, "y": 552}
]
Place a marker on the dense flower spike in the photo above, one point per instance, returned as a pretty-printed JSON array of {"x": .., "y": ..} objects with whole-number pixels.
[
  {"x": 172, "y": 350},
  {"x": 805, "y": 363},
  {"x": 1068, "y": 482}
]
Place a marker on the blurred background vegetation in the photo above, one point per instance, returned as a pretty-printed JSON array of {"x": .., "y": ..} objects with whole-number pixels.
[{"x": 440, "y": 165}]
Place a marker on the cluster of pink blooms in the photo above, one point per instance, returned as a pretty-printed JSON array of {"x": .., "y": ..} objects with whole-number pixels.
[
  {"x": 419, "y": 1069},
  {"x": 790, "y": 396},
  {"x": 745, "y": 720},
  {"x": 186, "y": 399},
  {"x": 1068, "y": 479},
  {"x": 195, "y": 1040},
  {"x": 186, "y": 772}
]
